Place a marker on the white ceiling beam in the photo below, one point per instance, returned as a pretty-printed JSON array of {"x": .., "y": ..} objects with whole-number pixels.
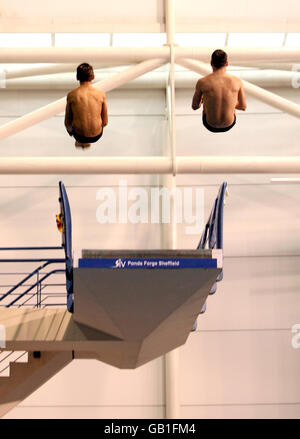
[
  {"x": 138, "y": 54},
  {"x": 156, "y": 80},
  {"x": 242, "y": 54},
  {"x": 150, "y": 165},
  {"x": 78, "y": 54},
  {"x": 238, "y": 24},
  {"x": 170, "y": 92},
  {"x": 49, "y": 69},
  {"x": 265, "y": 65},
  {"x": 117, "y": 24},
  {"x": 172, "y": 380}
]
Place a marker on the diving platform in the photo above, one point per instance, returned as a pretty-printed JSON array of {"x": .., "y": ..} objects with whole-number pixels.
[
  {"x": 149, "y": 300},
  {"x": 122, "y": 307}
]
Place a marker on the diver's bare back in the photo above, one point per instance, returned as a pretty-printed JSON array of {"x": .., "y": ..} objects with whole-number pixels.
[
  {"x": 220, "y": 96},
  {"x": 86, "y": 105}
]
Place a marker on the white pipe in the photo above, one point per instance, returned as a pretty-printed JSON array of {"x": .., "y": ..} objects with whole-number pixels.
[
  {"x": 170, "y": 30},
  {"x": 272, "y": 99},
  {"x": 137, "y": 54},
  {"x": 258, "y": 93},
  {"x": 81, "y": 54},
  {"x": 150, "y": 165},
  {"x": 290, "y": 180},
  {"x": 56, "y": 107},
  {"x": 49, "y": 69},
  {"x": 171, "y": 358},
  {"x": 172, "y": 120},
  {"x": 170, "y": 20},
  {"x": 129, "y": 74},
  {"x": 157, "y": 79},
  {"x": 242, "y": 54},
  {"x": 269, "y": 78},
  {"x": 39, "y": 70},
  {"x": 238, "y": 165},
  {"x": 268, "y": 65}
]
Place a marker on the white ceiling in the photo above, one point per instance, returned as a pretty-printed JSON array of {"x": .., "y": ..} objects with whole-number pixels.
[{"x": 148, "y": 16}]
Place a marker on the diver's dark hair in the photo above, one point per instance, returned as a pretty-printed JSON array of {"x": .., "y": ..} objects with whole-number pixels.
[
  {"x": 85, "y": 72},
  {"x": 219, "y": 58}
]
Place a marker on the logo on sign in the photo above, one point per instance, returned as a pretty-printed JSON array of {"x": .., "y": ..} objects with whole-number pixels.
[{"x": 119, "y": 263}]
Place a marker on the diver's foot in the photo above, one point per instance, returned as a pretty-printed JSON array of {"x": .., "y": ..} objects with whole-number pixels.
[{"x": 82, "y": 145}]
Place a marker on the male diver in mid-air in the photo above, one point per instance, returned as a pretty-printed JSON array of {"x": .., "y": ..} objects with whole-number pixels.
[
  {"x": 86, "y": 110},
  {"x": 221, "y": 94}
]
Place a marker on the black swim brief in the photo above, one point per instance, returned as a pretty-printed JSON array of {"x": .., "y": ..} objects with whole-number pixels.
[
  {"x": 84, "y": 139},
  {"x": 216, "y": 130}
]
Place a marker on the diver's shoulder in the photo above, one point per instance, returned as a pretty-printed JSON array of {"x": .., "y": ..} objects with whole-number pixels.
[
  {"x": 234, "y": 78},
  {"x": 73, "y": 93}
]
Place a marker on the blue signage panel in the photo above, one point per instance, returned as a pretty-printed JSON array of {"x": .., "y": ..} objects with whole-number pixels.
[{"x": 150, "y": 263}]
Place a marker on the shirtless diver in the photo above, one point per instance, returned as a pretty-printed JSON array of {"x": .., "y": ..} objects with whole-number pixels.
[
  {"x": 86, "y": 110},
  {"x": 221, "y": 94}
]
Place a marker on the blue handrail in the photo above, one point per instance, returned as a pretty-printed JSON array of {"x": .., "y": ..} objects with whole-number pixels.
[
  {"x": 212, "y": 236},
  {"x": 36, "y": 284},
  {"x": 31, "y": 248},
  {"x": 48, "y": 262},
  {"x": 67, "y": 243}
]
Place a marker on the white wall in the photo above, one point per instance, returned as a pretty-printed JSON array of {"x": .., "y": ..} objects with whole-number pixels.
[{"x": 240, "y": 361}]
